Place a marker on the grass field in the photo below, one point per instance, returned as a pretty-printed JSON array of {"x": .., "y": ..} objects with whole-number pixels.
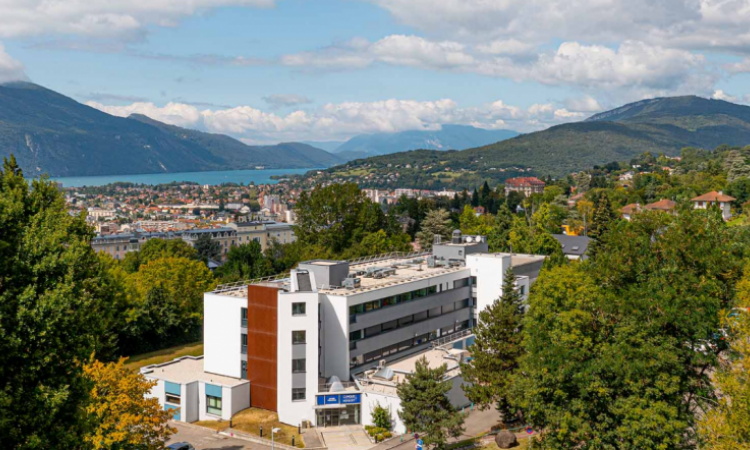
[
  {"x": 250, "y": 420},
  {"x": 167, "y": 354}
]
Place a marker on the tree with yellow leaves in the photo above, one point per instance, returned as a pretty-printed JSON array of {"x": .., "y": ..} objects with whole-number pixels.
[
  {"x": 120, "y": 416},
  {"x": 727, "y": 425}
]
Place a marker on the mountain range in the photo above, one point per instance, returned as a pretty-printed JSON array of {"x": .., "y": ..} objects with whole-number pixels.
[
  {"x": 661, "y": 125},
  {"x": 50, "y": 133}
]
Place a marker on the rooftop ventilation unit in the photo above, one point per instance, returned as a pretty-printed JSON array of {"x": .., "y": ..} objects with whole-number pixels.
[
  {"x": 456, "y": 239},
  {"x": 384, "y": 373},
  {"x": 352, "y": 283}
]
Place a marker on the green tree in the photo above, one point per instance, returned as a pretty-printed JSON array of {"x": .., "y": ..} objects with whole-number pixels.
[
  {"x": 55, "y": 311},
  {"x": 602, "y": 219},
  {"x": 469, "y": 221},
  {"x": 496, "y": 350},
  {"x": 499, "y": 234},
  {"x": 381, "y": 417},
  {"x": 244, "y": 262},
  {"x": 158, "y": 248},
  {"x": 425, "y": 407},
  {"x": 436, "y": 223},
  {"x": 207, "y": 248}
]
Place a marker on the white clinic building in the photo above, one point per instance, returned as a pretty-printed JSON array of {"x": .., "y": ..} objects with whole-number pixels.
[{"x": 325, "y": 343}]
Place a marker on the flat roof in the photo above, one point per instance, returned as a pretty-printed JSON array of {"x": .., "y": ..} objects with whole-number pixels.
[
  {"x": 436, "y": 357},
  {"x": 186, "y": 370}
]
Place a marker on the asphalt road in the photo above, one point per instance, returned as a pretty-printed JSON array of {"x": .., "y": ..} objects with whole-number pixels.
[{"x": 206, "y": 439}]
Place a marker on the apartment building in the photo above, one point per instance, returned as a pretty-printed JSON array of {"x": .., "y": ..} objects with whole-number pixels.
[
  {"x": 321, "y": 344},
  {"x": 263, "y": 232},
  {"x": 524, "y": 185}
]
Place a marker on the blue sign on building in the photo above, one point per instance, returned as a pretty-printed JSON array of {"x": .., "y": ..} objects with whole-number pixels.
[{"x": 336, "y": 399}]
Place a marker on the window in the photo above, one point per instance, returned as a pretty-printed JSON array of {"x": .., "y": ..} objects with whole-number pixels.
[
  {"x": 243, "y": 343},
  {"x": 298, "y": 309},
  {"x": 299, "y": 337},
  {"x": 299, "y": 365},
  {"x": 405, "y": 321},
  {"x": 213, "y": 405},
  {"x": 448, "y": 308},
  {"x": 174, "y": 399},
  {"x": 298, "y": 394},
  {"x": 243, "y": 370},
  {"x": 522, "y": 289},
  {"x": 462, "y": 304},
  {"x": 418, "y": 317},
  {"x": 372, "y": 331},
  {"x": 390, "y": 325},
  {"x": 436, "y": 311},
  {"x": 243, "y": 321}
]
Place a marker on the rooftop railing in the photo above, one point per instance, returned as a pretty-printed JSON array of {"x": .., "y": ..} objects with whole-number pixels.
[{"x": 240, "y": 285}]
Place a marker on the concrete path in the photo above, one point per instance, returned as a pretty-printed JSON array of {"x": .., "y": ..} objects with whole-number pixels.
[
  {"x": 206, "y": 439},
  {"x": 351, "y": 437}
]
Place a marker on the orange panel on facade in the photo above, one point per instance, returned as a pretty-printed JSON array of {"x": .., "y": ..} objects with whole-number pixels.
[{"x": 262, "y": 310}]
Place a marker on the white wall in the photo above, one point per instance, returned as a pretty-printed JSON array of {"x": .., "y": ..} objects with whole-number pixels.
[
  {"x": 335, "y": 331},
  {"x": 222, "y": 334},
  {"x": 489, "y": 270},
  {"x": 294, "y": 412},
  {"x": 370, "y": 400}
]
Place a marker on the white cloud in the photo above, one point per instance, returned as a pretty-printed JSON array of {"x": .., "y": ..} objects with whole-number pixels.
[
  {"x": 10, "y": 69},
  {"x": 738, "y": 67},
  {"x": 721, "y": 95},
  {"x": 418, "y": 52},
  {"x": 586, "y": 103},
  {"x": 692, "y": 24},
  {"x": 335, "y": 121},
  {"x": 179, "y": 114},
  {"x": 508, "y": 47},
  {"x": 102, "y": 18}
]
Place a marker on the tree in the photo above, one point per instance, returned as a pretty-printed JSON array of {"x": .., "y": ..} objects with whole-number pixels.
[
  {"x": 184, "y": 280},
  {"x": 726, "y": 424},
  {"x": 499, "y": 234},
  {"x": 244, "y": 262},
  {"x": 207, "y": 248},
  {"x": 55, "y": 310},
  {"x": 119, "y": 414},
  {"x": 496, "y": 350},
  {"x": 469, "y": 221},
  {"x": 585, "y": 209},
  {"x": 425, "y": 407},
  {"x": 158, "y": 248},
  {"x": 600, "y": 223},
  {"x": 436, "y": 223},
  {"x": 381, "y": 417}
]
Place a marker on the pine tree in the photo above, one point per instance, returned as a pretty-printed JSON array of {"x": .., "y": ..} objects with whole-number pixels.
[
  {"x": 425, "y": 407},
  {"x": 603, "y": 217},
  {"x": 437, "y": 222},
  {"x": 475, "y": 198},
  {"x": 496, "y": 350}
]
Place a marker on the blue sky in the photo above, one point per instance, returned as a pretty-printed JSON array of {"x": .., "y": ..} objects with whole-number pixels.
[{"x": 279, "y": 70}]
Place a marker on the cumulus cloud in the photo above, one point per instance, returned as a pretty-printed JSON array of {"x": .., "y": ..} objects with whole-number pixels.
[
  {"x": 584, "y": 104},
  {"x": 10, "y": 69},
  {"x": 111, "y": 18},
  {"x": 692, "y": 24},
  {"x": 647, "y": 69},
  {"x": 738, "y": 67},
  {"x": 336, "y": 121}
]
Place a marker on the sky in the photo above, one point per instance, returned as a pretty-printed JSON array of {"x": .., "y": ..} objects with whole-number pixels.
[{"x": 267, "y": 71}]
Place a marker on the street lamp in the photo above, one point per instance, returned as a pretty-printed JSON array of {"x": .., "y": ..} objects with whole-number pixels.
[{"x": 273, "y": 432}]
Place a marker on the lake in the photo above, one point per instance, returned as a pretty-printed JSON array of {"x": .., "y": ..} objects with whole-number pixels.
[{"x": 212, "y": 177}]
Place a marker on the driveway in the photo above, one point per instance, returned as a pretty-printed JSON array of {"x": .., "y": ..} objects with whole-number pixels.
[
  {"x": 207, "y": 439},
  {"x": 350, "y": 437}
]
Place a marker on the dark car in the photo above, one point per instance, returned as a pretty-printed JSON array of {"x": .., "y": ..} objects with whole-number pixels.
[{"x": 180, "y": 446}]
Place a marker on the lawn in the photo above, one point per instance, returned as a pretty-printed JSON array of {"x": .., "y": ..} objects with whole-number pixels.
[
  {"x": 167, "y": 354},
  {"x": 250, "y": 420}
]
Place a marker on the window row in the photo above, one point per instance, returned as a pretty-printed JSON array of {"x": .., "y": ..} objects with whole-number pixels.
[
  {"x": 390, "y": 301},
  {"x": 406, "y": 321},
  {"x": 407, "y": 344},
  {"x": 298, "y": 394}
]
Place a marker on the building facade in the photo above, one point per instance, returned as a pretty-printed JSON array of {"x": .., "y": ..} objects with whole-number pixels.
[
  {"x": 310, "y": 343},
  {"x": 524, "y": 185},
  {"x": 713, "y": 198}
]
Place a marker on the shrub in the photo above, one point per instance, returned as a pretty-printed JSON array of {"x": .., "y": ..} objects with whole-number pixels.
[
  {"x": 379, "y": 438},
  {"x": 381, "y": 417}
]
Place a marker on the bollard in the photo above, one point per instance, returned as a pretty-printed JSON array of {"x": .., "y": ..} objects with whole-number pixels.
[
  {"x": 293, "y": 442},
  {"x": 472, "y": 406},
  {"x": 261, "y": 431}
]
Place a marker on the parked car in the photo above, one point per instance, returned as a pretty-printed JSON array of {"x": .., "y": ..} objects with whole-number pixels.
[{"x": 180, "y": 446}]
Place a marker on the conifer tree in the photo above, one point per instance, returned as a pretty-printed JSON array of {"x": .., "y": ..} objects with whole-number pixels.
[
  {"x": 496, "y": 349},
  {"x": 603, "y": 217},
  {"x": 425, "y": 407},
  {"x": 436, "y": 223}
]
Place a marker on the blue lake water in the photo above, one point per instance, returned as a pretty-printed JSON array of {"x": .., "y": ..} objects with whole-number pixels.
[{"x": 212, "y": 178}]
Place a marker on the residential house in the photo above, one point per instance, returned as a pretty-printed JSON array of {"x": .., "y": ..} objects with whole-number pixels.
[{"x": 712, "y": 198}]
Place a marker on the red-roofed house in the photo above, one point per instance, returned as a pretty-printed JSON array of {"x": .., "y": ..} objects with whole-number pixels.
[
  {"x": 524, "y": 185},
  {"x": 628, "y": 210},
  {"x": 715, "y": 198},
  {"x": 662, "y": 205}
]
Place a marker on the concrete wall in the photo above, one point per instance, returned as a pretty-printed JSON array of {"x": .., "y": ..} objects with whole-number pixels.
[
  {"x": 293, "y": 412},
  {"x": 392, "y": 403},
  {"x": 240, "y": 398},
  {"x": 190, "y": 402},
  {"x": 222, "y": 334}
]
